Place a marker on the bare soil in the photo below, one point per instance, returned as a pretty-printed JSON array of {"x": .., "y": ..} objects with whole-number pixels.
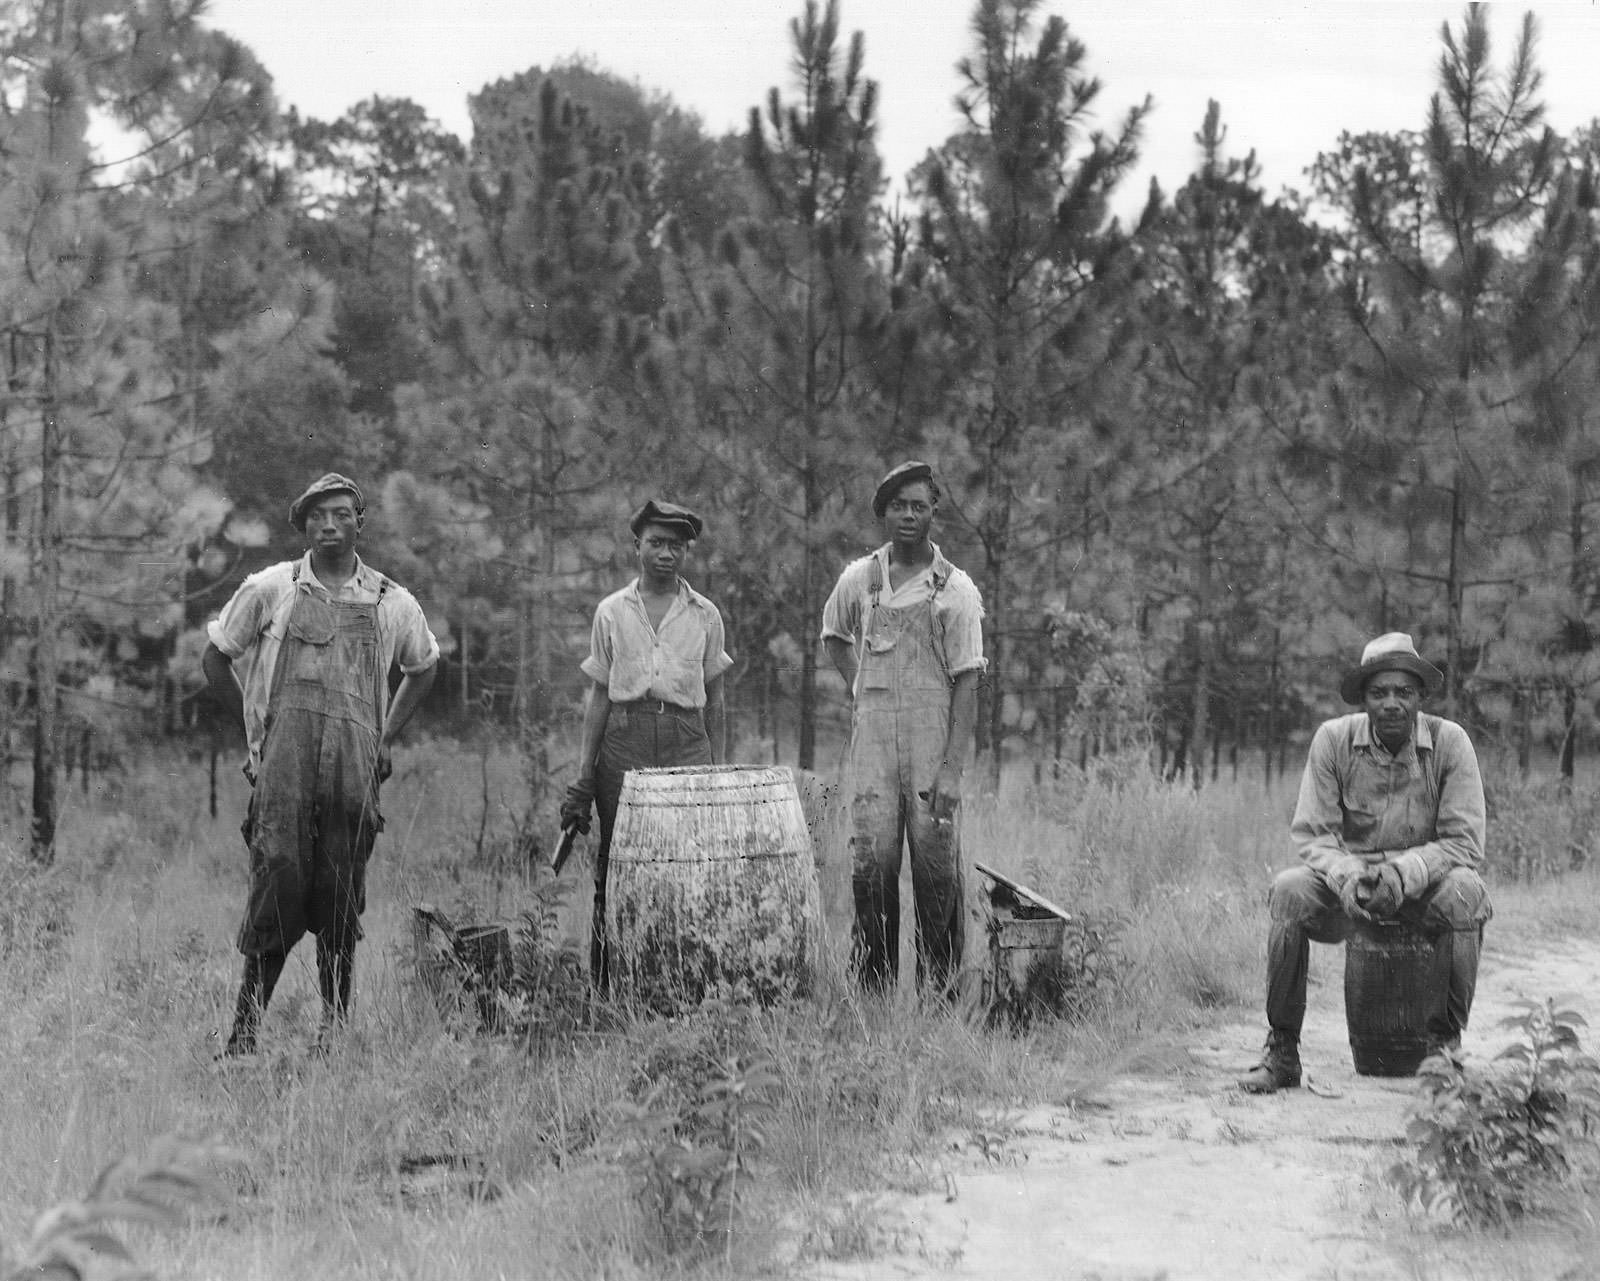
[{"x": 1174, "y": 1173}]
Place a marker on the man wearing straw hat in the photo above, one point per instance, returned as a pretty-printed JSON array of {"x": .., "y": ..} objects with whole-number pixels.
[
  {"x": 1389, "y": 824},
  {"x": 655, "y": 666},
  {"x": 301, "y": 654},
  {"x": 904, "y": 627}
]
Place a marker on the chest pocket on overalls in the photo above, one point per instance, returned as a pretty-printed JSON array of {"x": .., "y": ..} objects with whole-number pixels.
[
  {"x": 902, "y": 648},
  {"x": 334, "y": 646},
  {"x": 884, "y": 633}
]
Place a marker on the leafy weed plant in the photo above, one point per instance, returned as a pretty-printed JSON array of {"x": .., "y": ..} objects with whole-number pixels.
[
  {"x": 688, "y": 1159},
  {"x": 1495, "y": 1144},
  {"x": 78, "y": 1240}
]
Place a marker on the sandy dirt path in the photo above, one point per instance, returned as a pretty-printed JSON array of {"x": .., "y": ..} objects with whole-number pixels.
[{"x": 1178, "y": 1175}]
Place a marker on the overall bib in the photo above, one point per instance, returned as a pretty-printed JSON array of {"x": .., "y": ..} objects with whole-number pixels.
[
  {"x": 902, "y": 718},
  {"x": 313, "y": 815}
]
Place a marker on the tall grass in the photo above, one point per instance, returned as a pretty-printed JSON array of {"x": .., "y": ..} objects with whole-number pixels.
[{"x": 119, "y": 972}]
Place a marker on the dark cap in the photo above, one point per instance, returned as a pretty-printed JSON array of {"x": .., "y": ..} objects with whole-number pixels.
[
  {"x": 903, "y": 475},
  {"x": 332, "y": 483},
  {"x": 670, "y": 515}
]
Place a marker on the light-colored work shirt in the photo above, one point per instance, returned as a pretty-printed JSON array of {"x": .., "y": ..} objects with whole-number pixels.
[
  {"x": 251, "y": 626},
  {"x": 1421, "y": 809},
  {"x": 957, "y": 607},
  {"x": 674, "y": 662}
]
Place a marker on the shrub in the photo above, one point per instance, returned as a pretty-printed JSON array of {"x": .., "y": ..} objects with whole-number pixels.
[
  {"x": 1496, "y": 1143},
  {"x": 688, "y": 1155}
]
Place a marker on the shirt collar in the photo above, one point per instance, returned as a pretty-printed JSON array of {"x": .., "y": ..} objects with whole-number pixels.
[
  {"x": 941, "y": 569},
  {"x": 685, "y": 593},
  {"x": 364, "y": 578},
  {"x": 1421, "y": 735}
]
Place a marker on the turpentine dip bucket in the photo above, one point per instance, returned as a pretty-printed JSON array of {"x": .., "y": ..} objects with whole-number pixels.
[
  {"x": 1391, "y": 982},
  {"x": 713, "y": 887}
]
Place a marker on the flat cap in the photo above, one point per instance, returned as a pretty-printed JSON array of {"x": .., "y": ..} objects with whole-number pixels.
[
  {"x": 332, "y": 483},
  {"x": 901, "y": 476},
  {"x": 668, "y": 514}
]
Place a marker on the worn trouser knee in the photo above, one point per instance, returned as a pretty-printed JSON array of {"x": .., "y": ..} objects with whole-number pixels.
[
  {"x": 1459, "y": 902},
  {"x": 1300, "y": 895}
]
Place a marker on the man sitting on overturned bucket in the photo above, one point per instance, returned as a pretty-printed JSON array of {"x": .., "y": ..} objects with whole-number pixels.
[
  {"x": 904, "y": 628},
  {"x": 1389, "y": 824}
]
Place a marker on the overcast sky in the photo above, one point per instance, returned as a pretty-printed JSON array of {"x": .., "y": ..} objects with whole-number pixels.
[{"x": 1290, "y": 76}]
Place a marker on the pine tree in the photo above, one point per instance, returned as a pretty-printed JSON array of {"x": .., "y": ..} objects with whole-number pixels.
[
  {"x": 1231, "y": 289},
  {"x": 104, "y": 428},
  {"x": 1432, "y": 424},
  {"x": 1021, "y": 262},
  {"x": 786, "y": 320},
  {"x": 529, "y": 325}
]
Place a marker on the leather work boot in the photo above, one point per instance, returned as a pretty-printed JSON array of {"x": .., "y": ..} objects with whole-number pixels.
[{"x": 1279, "y": 1068}]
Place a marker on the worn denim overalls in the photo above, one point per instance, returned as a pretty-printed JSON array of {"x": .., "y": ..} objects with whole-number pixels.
[
  {"x": 313, "y": 815},
  {"x": 902, "y": 719}
]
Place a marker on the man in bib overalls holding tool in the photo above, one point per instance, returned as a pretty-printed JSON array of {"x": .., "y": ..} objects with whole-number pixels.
[{"x": 904, "y": 628}]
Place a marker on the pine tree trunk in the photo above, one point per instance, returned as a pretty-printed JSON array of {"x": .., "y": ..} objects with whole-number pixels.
[
  {"x": 1575, "y": 585},
  {"x": 1271, "y": 735},
  {"x": 1455, "y": 593},
  {"x": 1200, "y": 704},
  {"x": 808, "y": 594},
  {"x": 998, "y": 620},
  {"x": 46, "y": 657}
]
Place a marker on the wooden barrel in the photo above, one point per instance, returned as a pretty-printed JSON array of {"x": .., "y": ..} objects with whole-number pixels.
[
  {"x": 712, "y": 888},
  {"x": 1391, "y": 982}
]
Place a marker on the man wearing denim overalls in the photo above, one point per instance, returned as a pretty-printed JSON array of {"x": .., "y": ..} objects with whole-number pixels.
[
  {"x": 301, "y": 655},
  {"x": 904, "y": 628},
  {"x": 655, "y": 666}
]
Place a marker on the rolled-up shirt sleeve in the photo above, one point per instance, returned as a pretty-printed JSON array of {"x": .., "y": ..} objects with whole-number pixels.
[
  {"x": 960, "y": 610},
  {"x": 841, "y": 612},
  {"x": 416, "y": 647},
  {"x": 717, "y": 659},
  {"x": 597, "y": 666},
  {"x": 234, "y": 630}
]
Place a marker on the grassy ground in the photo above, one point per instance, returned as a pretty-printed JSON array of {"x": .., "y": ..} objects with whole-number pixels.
[{"x": 119, "y": 974}]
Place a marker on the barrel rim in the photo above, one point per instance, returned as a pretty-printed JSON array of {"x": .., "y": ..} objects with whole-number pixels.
[{"x": 654, "y": 771}]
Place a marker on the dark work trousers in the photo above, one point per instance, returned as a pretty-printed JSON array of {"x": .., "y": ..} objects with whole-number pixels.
[
  {"x": 897, "y": 742},
  {"x": 1305, "y": 909},
  {"x": 648, "y": 735},
  {"x": 313, "y": 815}
]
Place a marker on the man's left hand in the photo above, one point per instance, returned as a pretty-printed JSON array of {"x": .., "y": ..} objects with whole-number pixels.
[
  {"x": 385, "y": 762},
  {"x": 945, "y": 794},
  {"x": 1387, "y": 892}
]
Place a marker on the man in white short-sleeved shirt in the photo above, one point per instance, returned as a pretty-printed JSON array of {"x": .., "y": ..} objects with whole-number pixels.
[
  {"x": 656, "y": 659},
  {"x": 905, "y": 629}
]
